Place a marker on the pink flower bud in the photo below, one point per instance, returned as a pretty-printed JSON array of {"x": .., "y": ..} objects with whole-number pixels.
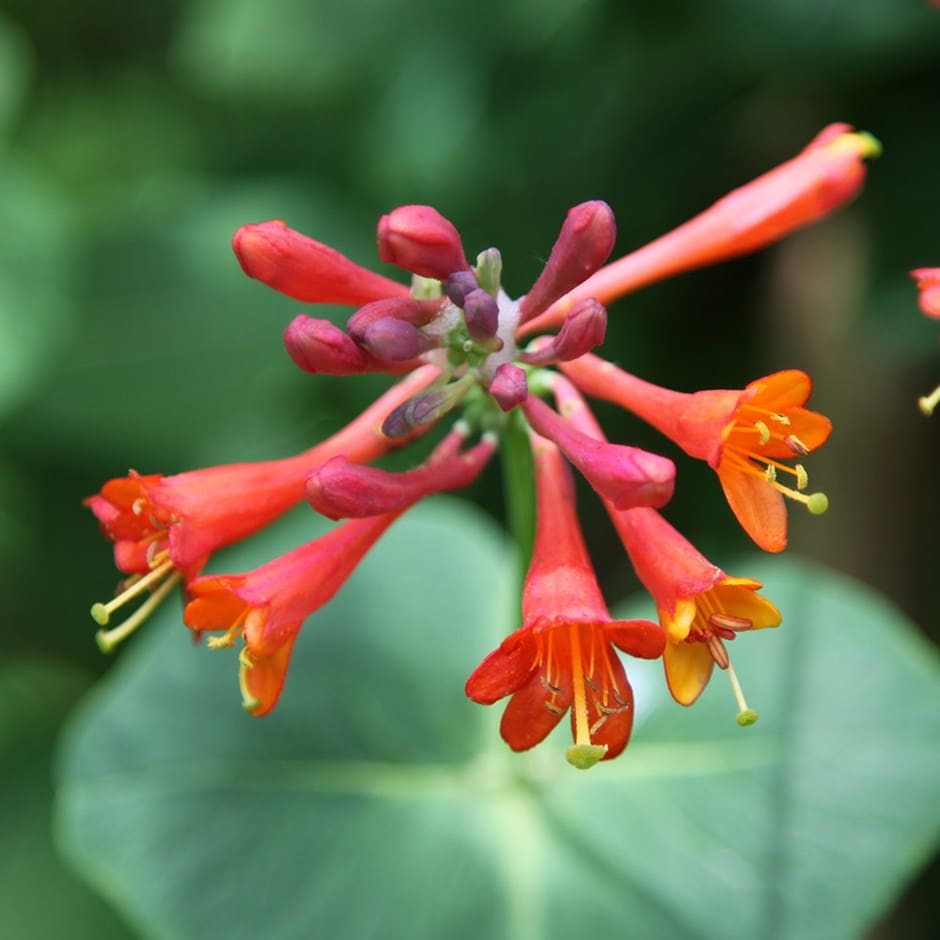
[
  {"x": 459, "y": 284},
  {"x": 627, "y": 476},
  {"x": 426, "y": 408},
  {"x": 305, "y": 269},
  {"x": 322, "y": 348},
  {"x": 344, "y": 490},
  {"x": 481, "y": 313},
  {"x": 509, "y": 386},
  {"x": 420, "y": 240},
  {"x": 396, "y": 340},
  {"x": 583, "y": 329},
  {"x": 584, "y": 244},
  {"x": 415, "y": 312}
]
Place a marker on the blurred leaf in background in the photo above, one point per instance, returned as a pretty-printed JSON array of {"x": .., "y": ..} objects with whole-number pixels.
[{"x": 378, "y": 799}]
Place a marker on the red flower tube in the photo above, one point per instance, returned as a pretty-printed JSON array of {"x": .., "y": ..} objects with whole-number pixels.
[
  {"x": 164, "y": 528},
  {"x": 744, "y": 435},
  {"x": 269, "y": 604},
  {"x": 563, "y": 656},
  {"x": 826, "y": 175}
]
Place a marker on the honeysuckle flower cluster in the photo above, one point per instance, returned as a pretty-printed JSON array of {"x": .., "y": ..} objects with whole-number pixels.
[
  {"x": 454, "y": 342},
  {"x": 928, "y": 283}
]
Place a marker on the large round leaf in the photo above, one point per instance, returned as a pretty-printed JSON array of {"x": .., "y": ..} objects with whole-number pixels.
[{"x": 376, "y": 801}]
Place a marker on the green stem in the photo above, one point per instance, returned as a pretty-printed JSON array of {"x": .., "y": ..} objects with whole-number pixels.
[{"x": 519, "y": 489}]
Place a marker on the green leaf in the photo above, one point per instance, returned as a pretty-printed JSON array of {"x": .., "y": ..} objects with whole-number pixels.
[
  {"x": 39, "y": 897},
  {"x": 378, "y": 801}
]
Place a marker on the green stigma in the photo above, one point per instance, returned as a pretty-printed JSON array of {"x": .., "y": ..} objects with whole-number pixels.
[
  {"x": 585, "y": 756},
  {"x": 747, "y": 717}
]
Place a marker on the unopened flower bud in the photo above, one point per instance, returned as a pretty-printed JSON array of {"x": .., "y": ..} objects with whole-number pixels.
[
  {"x": 583, "y": 329},
  {"x": 489, "y": 270},
  {"x": 481, "y": 313},
  {"x": 427, "y": 407},
  {"x": 419, "y": 239},
  {"x": 627, "y": 476},
  {"x": 322, "y": 348},
  {"x": 395, "y": 340},
  {"x": 416, "y": 312},
  {"x": 306, "y": 269},
  {"x": 928, "y": 282},
  {"x": 344, "y": 490},
  {"x": 459, "y": 284},
  {"x": 509, "y": 386},
  {"x": 584, "y": 244}
]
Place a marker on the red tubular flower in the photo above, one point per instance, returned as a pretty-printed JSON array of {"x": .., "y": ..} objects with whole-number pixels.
[
  {"x": 420, "y": 240},
  {"x": 269, "y": 604},
  {"x": 699, "y": 606},
  {"x": 563, "y": 655},
  {"x": 826, "y": 175},
  {"x": 625, "y": 475},
  {"x": 928, "y": 282},
  {"x": 341, "y": 489},
  {"x": 305, "y": 269},
  {"x": 164, "y": 528},
  {"x": 743, "y": 435}
]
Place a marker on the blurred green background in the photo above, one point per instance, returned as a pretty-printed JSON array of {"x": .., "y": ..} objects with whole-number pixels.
[{"x": 135, "y": 140}]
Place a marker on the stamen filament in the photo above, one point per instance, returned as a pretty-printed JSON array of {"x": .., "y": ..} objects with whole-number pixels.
[
  {"x": 234, "y": 631},
  {"x": 101, "y": 613},
  {"x": 746, "y": 716},
  {"x": 108, "y": 639}
]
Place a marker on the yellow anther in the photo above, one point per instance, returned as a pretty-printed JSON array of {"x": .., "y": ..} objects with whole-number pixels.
[
  {"x": 927, "y": 403},
  {"x": 764, "y": 432},
  {"x": 770, "y": 473},
  {"x": 802, "y": 477},
  {"x": 780, "y": 419}
]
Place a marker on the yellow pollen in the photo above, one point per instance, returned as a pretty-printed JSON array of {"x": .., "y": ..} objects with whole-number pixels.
[
  {"x": 764, "y": 432},
  {"x": 228, "y": 638},
  {"x": 927, "y": 403},
  {"x": 802, "y": 477},
  {"x": 780, "y": 419},
  {"x": 770, "y": 474}
]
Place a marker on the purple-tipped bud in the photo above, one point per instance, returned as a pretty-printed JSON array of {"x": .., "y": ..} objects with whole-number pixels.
[
  {"x": 584, "y": 244},
  {"x": 343, "y": 490},
  {"x": 509, "y": 386},
  {"x": 395, "y": 340},
  {"x": 427, "y": 407},
  {"x": 583, "y": 329},
  {"x": 481, "y": 313},
  {"x": 459, "y": 284},
  {"x": 627, "y": 476},
  {"x": 322, "y": 348},
  {"x": 415, "y": 312},
  {"x": 419, "y": 239}
]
